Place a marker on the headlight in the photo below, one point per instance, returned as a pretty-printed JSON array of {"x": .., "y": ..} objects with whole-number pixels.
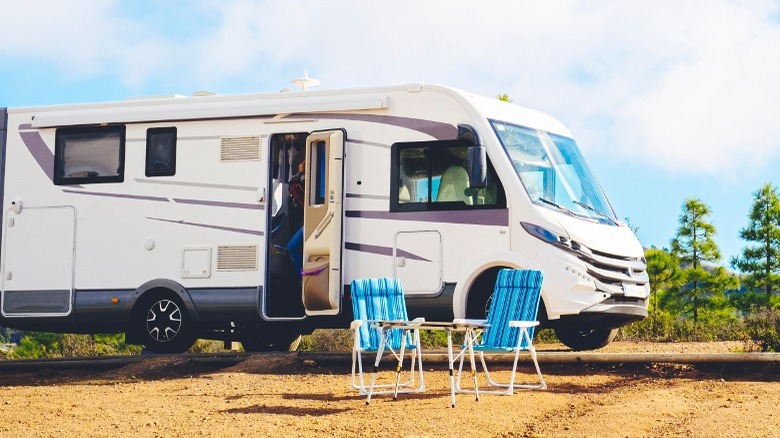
[{"x": 546, "y": 235}]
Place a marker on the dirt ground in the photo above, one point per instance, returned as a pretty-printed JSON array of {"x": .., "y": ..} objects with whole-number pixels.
[{"x": 274, "y": 395}]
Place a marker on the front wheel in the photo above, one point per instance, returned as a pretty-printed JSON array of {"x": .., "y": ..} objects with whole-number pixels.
[
  {"x": 164, "y": 325},
  {"x": 579, "y": 338}
]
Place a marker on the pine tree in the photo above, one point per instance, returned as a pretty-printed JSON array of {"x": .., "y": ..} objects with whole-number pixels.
[
  {"x": 663, "y": 270},
  {"x": 761, "y": 261},
  {"x": 693, "y": 245}
]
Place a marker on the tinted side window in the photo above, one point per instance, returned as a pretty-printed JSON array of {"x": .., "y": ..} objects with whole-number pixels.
[
  {"x": 89, "y": 155},
  {"x": 161, "y": 151},
  {"x": 432, "y": 175}
]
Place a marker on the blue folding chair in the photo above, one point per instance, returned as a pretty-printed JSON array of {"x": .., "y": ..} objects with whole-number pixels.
[
  {"x": 381, "y": 322},
  {"x": 509, "y": 328}
]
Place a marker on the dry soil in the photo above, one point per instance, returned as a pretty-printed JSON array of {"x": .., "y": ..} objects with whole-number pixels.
[{"x": 274, "y": 395}]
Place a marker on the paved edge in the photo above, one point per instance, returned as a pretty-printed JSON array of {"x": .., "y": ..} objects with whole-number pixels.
[
  {"x": 431, "y": 357},
  {"x": 571, "y": 357}
]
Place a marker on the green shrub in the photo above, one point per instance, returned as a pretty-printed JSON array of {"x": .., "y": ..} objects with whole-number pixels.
[
  {"x": 327, "y": 340},
  {"x": 663, "y": 327},
  {"x": 37, "y": 345},
  {"x": 763, "y": 329}
]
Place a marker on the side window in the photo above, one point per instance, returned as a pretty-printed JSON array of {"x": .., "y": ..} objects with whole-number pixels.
[
  {"x": 94, "y": 154},
  {"x": 319, "y": 175},
  {"x": 161, "y": 151},
  {"x": 432, "y": 175}
]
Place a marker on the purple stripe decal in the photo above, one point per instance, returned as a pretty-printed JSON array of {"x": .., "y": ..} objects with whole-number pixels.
[
  {"x": 39, "y": 151},
  {"x": 382, "y": 250},
  {"x": 437, "y": 130},
  {"x": 212, "y": 227},
  {"x": 499, "y": 217},
  {"x": 219, "y": 204},
  {"x": 118, "y": 195},
  {"x": 25, "y": 126}
]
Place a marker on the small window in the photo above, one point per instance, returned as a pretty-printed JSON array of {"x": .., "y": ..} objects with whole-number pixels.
[
  {"x": 318, "y": 173},
  {"x": 161, "y": 152},
  {"x": 89, "y": 155},
  {"x": 432, "y": 175}
]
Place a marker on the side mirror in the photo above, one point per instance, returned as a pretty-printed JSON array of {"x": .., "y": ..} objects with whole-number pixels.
[
  {"x": 477, "y": 162},
  {"x": 477, "y": 167}
]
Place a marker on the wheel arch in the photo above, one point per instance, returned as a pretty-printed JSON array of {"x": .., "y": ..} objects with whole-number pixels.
[
  {"x": 163, "y": 285},
  {"x": 476, "y": 269}
]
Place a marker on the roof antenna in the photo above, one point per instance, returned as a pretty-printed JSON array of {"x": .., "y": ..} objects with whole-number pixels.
[{"x": 305, "y": 82}]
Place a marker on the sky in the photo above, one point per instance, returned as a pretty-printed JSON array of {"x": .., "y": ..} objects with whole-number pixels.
[{"x": 667, "y": 99}]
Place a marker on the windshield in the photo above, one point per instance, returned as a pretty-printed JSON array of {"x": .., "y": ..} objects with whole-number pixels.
[{"x": 554, "y": 172}]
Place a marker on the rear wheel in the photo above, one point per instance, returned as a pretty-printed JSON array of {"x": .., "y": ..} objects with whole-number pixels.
[
  {"x": 579, "y": 338},
  {"x": 164, "y": 325}
]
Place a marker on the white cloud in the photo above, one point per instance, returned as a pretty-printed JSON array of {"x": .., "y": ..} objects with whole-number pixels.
[{"x": 686, "y": 86}]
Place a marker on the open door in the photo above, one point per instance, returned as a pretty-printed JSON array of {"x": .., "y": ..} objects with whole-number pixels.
[{"x": 322, "y": 219}]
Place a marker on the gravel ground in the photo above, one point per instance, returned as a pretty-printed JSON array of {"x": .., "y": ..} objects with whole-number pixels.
[{"x": 274, "y": 395}]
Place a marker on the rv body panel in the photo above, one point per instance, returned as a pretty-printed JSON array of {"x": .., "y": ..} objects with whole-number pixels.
[{"x": 215, "y": 226}]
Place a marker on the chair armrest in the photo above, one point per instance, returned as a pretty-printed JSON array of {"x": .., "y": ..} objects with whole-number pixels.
[
  {"x": 355, "y": 324},
  {"x": 526, "y": 324}
]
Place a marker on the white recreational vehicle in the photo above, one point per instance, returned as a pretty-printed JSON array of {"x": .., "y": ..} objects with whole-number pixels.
[{"x": 245, "y": 218}]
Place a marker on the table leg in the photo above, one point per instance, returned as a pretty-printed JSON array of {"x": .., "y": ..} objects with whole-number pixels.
[
  {"x": 452, "y": 374},
  {"x": 470, "y": 337},
  {"x": 400, "y": 364}
]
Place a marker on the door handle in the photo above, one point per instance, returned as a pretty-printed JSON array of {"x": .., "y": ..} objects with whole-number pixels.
[{"x": 324, "y": 224}]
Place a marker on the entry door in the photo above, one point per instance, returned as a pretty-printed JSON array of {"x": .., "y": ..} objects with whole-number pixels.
[
  {"x": 323, "y": 213},
  {"x": 38, "y": 256}
]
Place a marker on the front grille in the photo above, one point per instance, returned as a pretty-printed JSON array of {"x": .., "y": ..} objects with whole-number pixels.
[{"x": 612, "y": 271}]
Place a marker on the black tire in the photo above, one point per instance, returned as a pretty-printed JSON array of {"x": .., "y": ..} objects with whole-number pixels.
[
  {"x": 263, "y": 343},
  {"x": 579, "y": 338},
  {"x": 480, "y": 294},
  {"x": 163, "y": 324}
]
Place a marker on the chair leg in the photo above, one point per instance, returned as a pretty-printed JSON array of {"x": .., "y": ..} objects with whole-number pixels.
[
  {"x": 357, "y": 381},
  {"x": 489, "y": 378},
  {"x": 532, "y": 350},
  {"x": 376, "y": 367}
]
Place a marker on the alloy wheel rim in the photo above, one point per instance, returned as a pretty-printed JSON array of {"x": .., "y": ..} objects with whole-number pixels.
[{"x": 163, "y": 320}]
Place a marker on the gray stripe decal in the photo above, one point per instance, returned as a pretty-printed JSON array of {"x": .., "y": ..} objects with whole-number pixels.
[
  {"x": 358, "y": 195},
  {"x": 437, "y": 130},
  {"x": 212, "y": 227},
  {"x": 219, "y": 204},
  {"x": 194, "y": 184},
  {"x": 498, "y": 217},
  {"x": 382, "y": 250},
  {"x": 369, "y": 143},
  {"x": 119, "y": 195},
  {"x": 39, "y": 151}
]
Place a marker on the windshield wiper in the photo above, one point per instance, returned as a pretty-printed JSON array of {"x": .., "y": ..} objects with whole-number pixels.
[
  {"x": 602, "y": 214},
  {"x": 558, "y": 206}
]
